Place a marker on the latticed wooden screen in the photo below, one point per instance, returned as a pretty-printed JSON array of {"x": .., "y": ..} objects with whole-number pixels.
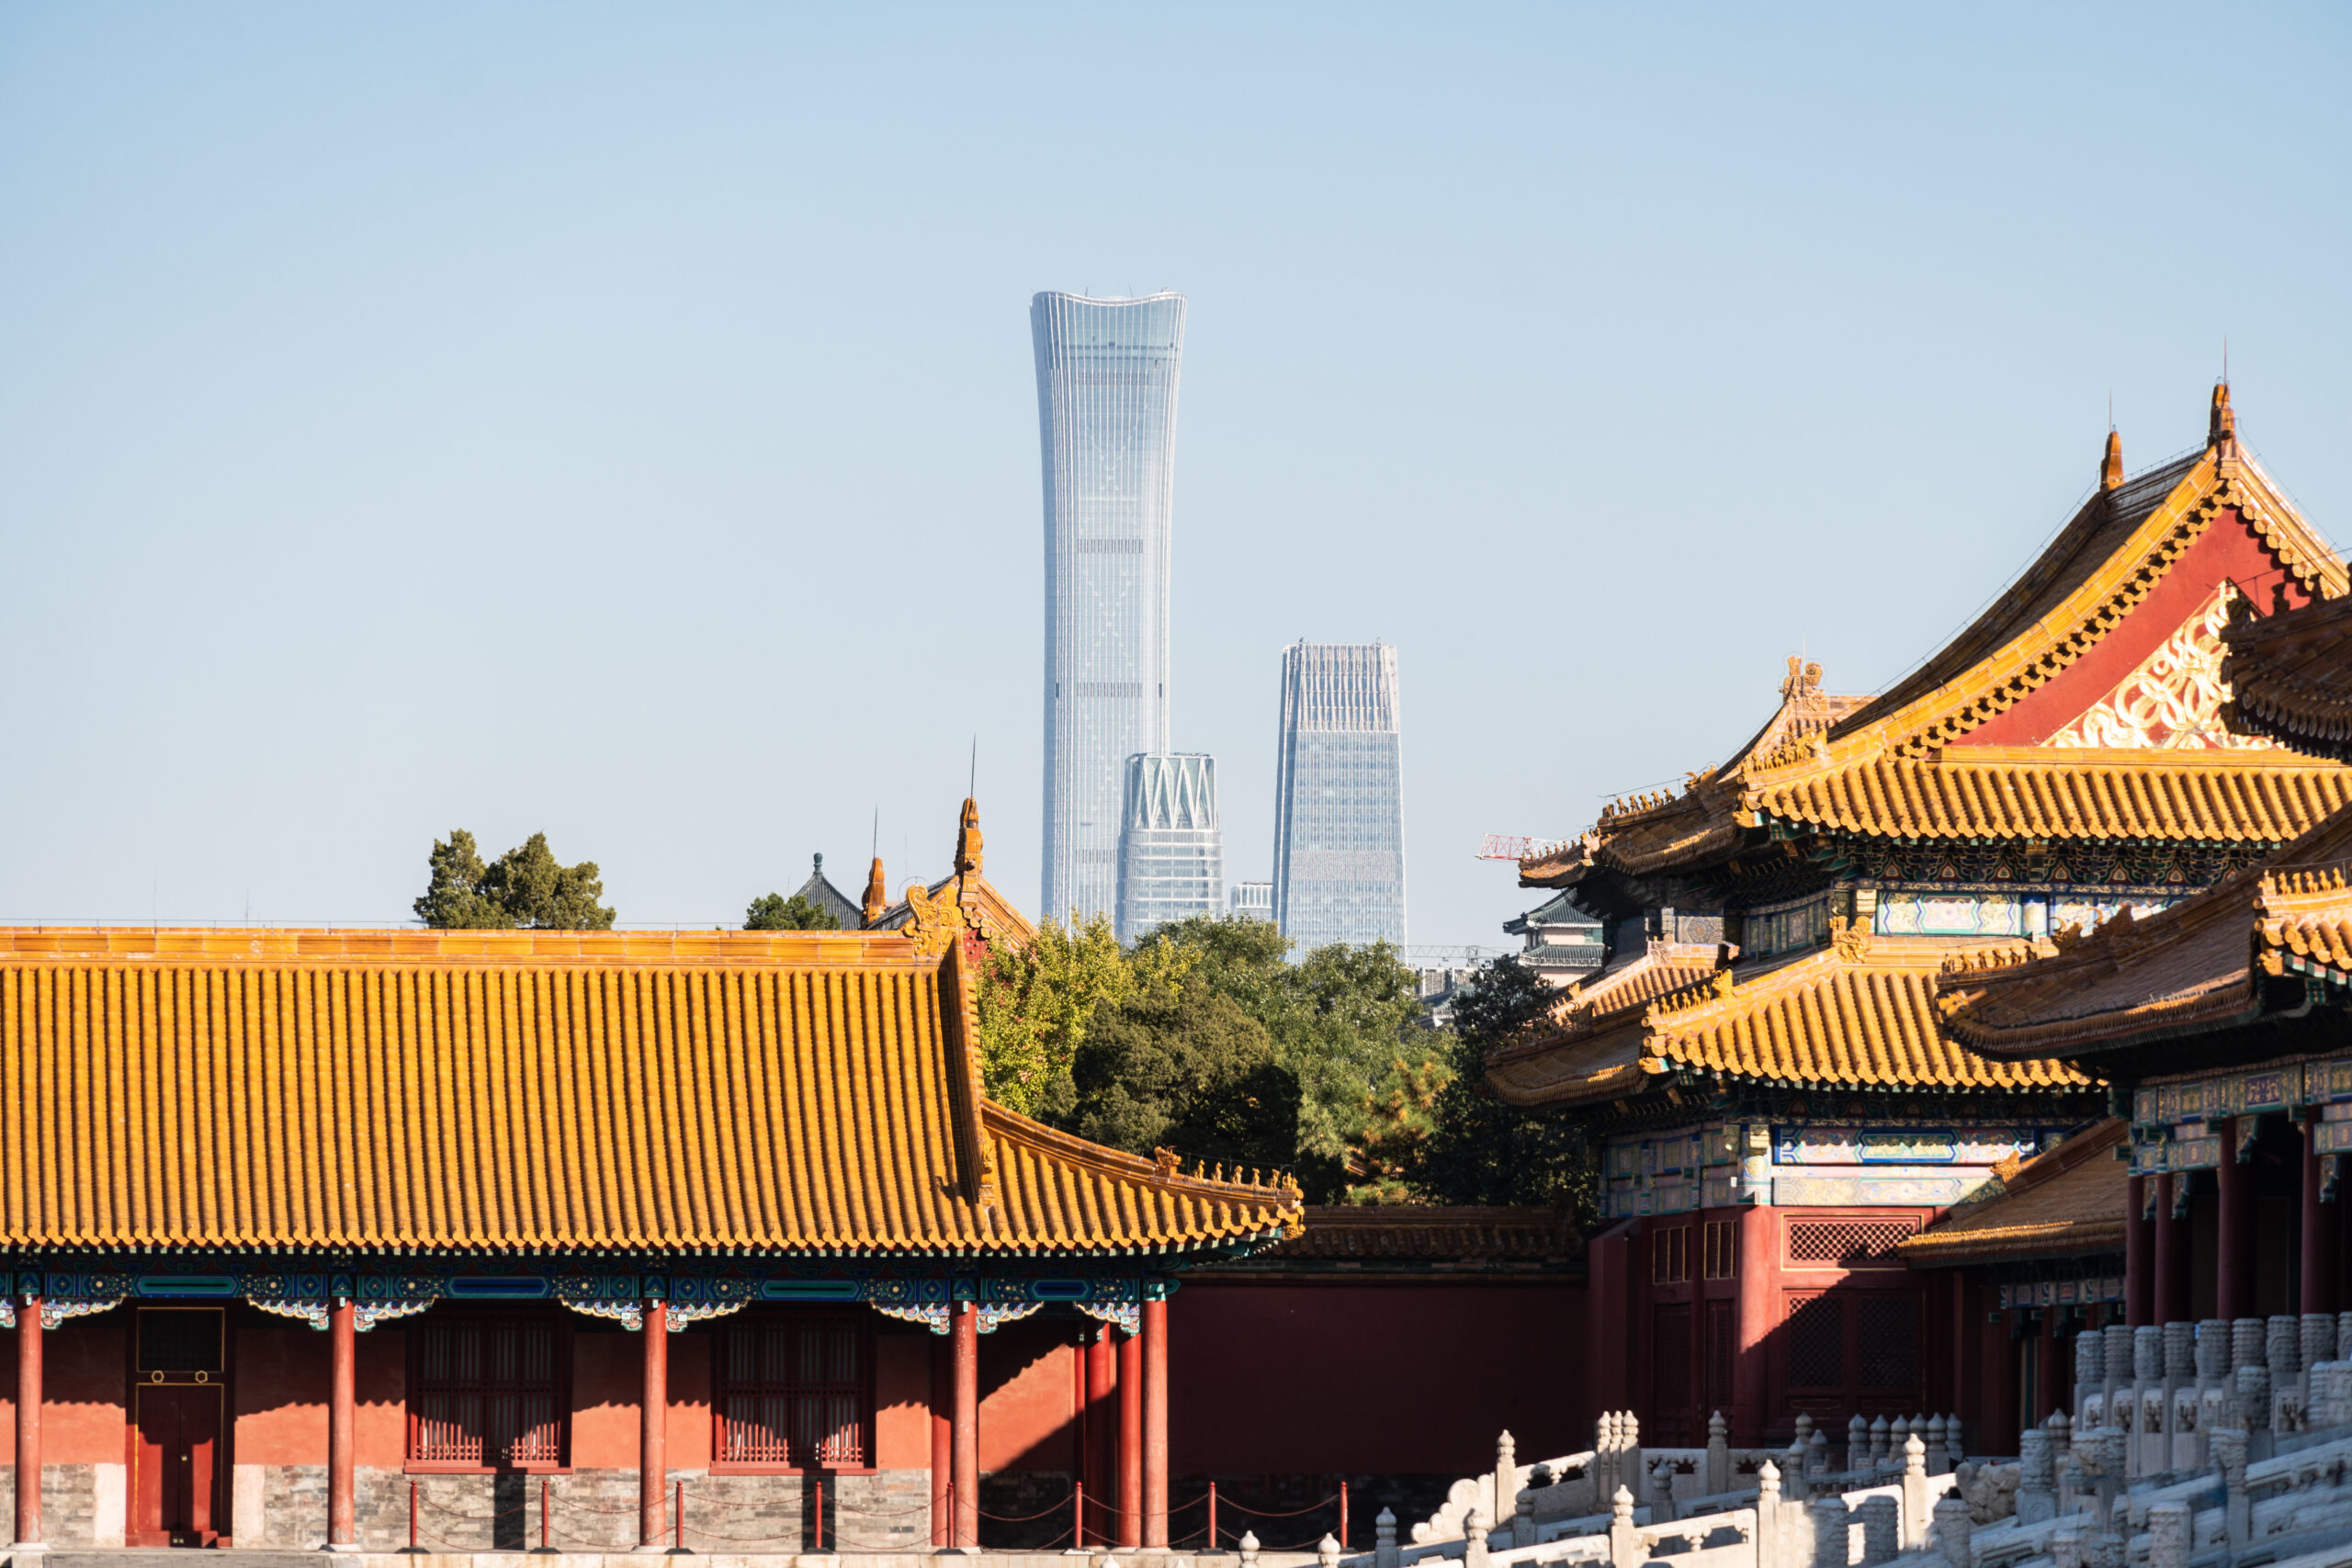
[
  {"x": 1817, "y": 1341},
  {"x": 486, "y": 1393},
  {"x": 793, "y": 1391},
  {"x": 1845, "y": 1241},
  {"x": 1886, "y": 1342}
]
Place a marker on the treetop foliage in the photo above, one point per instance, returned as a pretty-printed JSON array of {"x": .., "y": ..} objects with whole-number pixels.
[
  {"x": 523, "y": 889},
  {"x": 1203, "y": 1035}
]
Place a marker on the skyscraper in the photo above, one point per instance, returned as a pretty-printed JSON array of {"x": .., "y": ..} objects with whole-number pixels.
[
  {"x": 1339, "y": 798},
  {"x": 1106, "y": 419},
  {"x": 1172, "y": 851}
]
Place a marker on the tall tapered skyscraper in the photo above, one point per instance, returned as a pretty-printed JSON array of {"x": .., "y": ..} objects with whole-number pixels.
[
  {"x": 1339, "y": 796},
  {"x": 1106, "y": 424}
]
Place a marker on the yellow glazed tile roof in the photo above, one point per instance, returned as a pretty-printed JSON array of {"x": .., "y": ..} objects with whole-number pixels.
[
  {"x": 2067, "y": 1201},
  {"x": 1870, "y": 765},
  {"x": 2290, "y": 676},
  {"x": 1860, "y": 1012},
  {"x": 2197, "y": 967},
  {"x": 2107, "y": 558},
  {"x": 1989, "y": 792},
  {"x": 440, "y": 1092}
]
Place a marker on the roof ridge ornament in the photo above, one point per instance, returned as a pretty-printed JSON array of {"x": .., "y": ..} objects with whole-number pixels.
[
  {"x": 2222, "y": 425},
  {"x": 2111, "y": 467}
]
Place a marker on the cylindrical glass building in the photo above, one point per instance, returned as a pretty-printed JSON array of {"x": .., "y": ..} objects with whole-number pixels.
[{"x": 1106, "y": 419}]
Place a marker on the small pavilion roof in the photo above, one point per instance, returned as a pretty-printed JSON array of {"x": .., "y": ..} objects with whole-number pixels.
[
  {"x": 2198, "y": 967},
  {"x": 441, "y": 1093},
  {"x": 1859, "y": 1013},
  {"x": 2066, "y": 1202}
]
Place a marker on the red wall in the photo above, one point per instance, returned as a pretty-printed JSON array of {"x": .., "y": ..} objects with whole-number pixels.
[
  {"x": 82, "y": 1395},
  {"x": 1266, "y": 1377},
  {"x": 1361, "y": 1378}
]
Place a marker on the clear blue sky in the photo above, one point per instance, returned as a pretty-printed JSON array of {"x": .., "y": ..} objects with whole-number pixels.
[{"x": 619, "y": 421}]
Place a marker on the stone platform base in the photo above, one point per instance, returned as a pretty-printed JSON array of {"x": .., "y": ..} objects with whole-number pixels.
[{"x": 85, "y": 1556}]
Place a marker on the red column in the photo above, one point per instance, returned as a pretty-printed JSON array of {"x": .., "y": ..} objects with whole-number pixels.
[
  {"x": 342, "y": 1513},
  {"x": 1101, "y": 1433},
  {"x": 942, "y": 1435},
  {"x": 1131, "y": 1440},
  {"x": 29, "y": 1398},
  {"x": 963, "y": 1335},
  {"x": 653, "y": 1427},
  {"x": 2318, "y": 1294},
  {"x": 1756, "y": 1263},
  {"x": 2171, "y": 1297},
  {"x": 2235, "y": 1270},
  {"x": 2139, "y": 1241},
  {"x": 1155, "y": 1423}
]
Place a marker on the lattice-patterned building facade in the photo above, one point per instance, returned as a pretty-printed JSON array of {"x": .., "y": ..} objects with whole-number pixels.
[{"x": 1761, "y": 1059}]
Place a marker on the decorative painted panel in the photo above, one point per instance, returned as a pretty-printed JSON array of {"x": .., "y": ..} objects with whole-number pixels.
[{"x": 2062, "y": 1292}]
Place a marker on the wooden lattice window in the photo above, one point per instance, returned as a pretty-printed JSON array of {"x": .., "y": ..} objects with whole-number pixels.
[
  {"x": 1886, "y": 1342},
  {"x": 486, "y": 1392},
  {"x": 794, "y": 1392},
  {"x": 1846, "y": 1242},
  {"x": 1719, "y": 1248},
  {"x": 1817, "y": 1341},
  {"x": 1670, "y": 1256}
]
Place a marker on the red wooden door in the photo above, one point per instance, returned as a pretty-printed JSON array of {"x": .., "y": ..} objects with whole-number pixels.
[{"x": 176, "y": 1490}]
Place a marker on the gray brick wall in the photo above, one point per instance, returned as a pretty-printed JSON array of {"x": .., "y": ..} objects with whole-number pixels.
[
  {"x": 593, "y": 1510},
  {"x": 69, "y": 1501}
]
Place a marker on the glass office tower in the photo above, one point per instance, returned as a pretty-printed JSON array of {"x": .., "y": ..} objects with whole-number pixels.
[
  {"x": 1171, "y": 853},
  {"x": 1106, "y": 419},
  {"x": 1340, "y": 797}
]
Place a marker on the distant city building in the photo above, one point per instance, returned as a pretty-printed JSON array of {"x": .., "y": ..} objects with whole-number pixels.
[
  {"x": 1339, "y": 802},
  {"x": 1560, "y": 942},
  {"x": 1251, "y": 900},
  {"x": 820, "y": 892},
  {"x": 1172, "y": 851},
  {"x": 1106, "y": 419}
]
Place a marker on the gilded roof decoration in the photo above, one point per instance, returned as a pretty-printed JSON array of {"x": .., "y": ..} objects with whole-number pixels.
[
  {"x": 444, "y": 1092},
  {"x": 963, "y": 903},
  {"x": 2066, "y": 1202},
  {"x": 2290, "y": 675},
  {"x": 2196, "y": 966},
  {"x": 2174, "y": 699}
]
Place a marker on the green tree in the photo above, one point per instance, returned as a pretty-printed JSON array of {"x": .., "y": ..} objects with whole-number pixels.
[
  {"x": 1182, "y": 1067},
  {"x": 1037, "y": 1003},
  {"x": 1478, "y": 1150},
  {"x": 1338, "y": 1017},
  {"x": 524, "y": 888},
  {"x": 1385, "y": 1158},
  {"x": 774, "y": 912}
]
